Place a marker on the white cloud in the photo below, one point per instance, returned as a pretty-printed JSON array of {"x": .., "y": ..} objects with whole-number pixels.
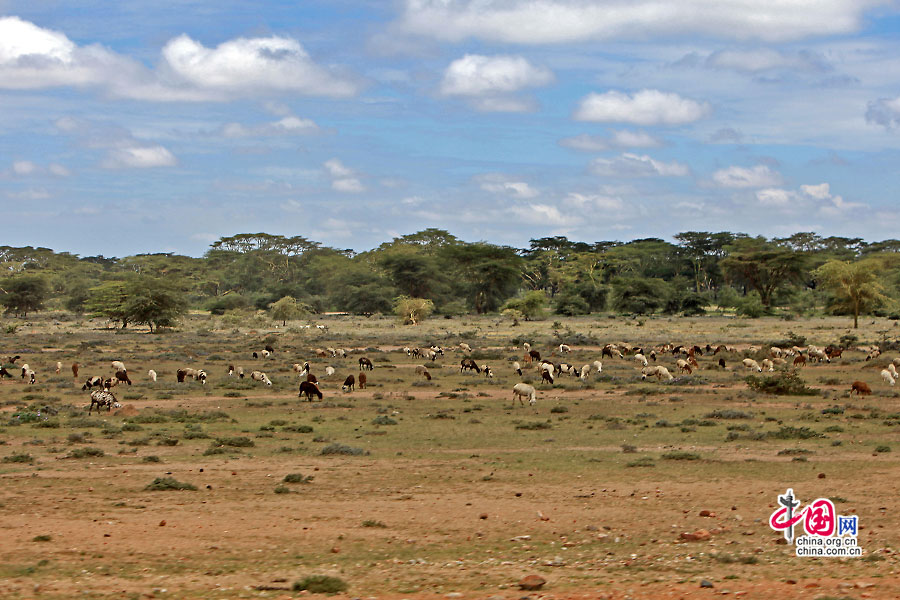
[
  {"x": 29, "y": 195},
  {"x": 32, "y": 57},
  {"x": 500, "y": 184},
  {"x": 24, "y": 167},
  {"x": 760, "y": 176},
  {"x": 808, "y": 199},
  {"x": 562, "y": 21},
  {"x": 595, "y": 201},
  {"x": 633, "y": 165},
  {"x": 139, "y": 157},
  {"x": 646, "y": 107},
  {"x": 59, "y": 170},
  {"x": 504, "y": 104},
  {"x": 349, "y": 185},
  {"x": 477, "y": 75},
  {"x": 343, "y": 178},
  {"x": 819, "y": 192},
  {"x": 776, "y": 197},
  {"x": 336, "y": 168},
  {"x": 544, "y": 215},
  {"x": 619, "y": 139},
  {"x": 286, "y": 126},
  {"x": 763, "y": 59}
]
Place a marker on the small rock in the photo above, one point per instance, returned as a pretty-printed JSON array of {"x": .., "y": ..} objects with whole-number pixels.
[
  {"x": 821, "y": 476},
  {"x": 162, "y": 523},
  {"x": 791, "y": 581},
  {"x": 483, "y": 516},
  {"x": 453, "y": 595},
  {"x": 700, "y": 535},
  {"x": 705, "y": 583},
  {"x": 335, "y": 550},
  {"x": 532, "y": 582},
  {"x": 707, "y": 513}
]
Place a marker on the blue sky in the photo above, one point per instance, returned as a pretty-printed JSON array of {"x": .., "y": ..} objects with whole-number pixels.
[{"x": 134, "y": 127}]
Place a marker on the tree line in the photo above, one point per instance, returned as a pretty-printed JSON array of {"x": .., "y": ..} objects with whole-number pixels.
[{"x": 434, "y": 271}]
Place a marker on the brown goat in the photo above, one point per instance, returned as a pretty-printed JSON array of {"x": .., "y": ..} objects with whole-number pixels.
[{"x": 861, "y": 388}]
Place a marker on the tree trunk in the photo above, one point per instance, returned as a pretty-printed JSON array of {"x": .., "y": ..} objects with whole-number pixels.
[{"x": 856, "y": 314}]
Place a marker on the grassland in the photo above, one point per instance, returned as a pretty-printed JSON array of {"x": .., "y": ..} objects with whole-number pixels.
[{"x": 441, "y": 486}]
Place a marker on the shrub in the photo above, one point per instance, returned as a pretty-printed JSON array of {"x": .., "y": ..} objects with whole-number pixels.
[
  {"x": 336, "y": 448},
  {"x": 644, "y": 461},
  {"x": 282, "y": 489},
  {"x": 535, "y": 426},
  {"x": 793, "y": 433},
  {"x": 89, "y": 452},
  {"x": 298, "y": 478},
  {"x": 681, "y": 455},
  {"x": 882, "y": 448},
  {"x": 41, "y": 538},
  {"x": 18, "y": 457},
  {"x": 782, "y": 383},
  {"x": 383, "y": 420},
  {"x": 299, "y": 428},
  {"x": 169, "y": 483},
  {"x": 727, "y": 414},
  {"x": 320, "y": 584},
  {"x": 151, "y": 459},
  {"x": 373, "y": 523},
  {"x": 236, "y": 442}
]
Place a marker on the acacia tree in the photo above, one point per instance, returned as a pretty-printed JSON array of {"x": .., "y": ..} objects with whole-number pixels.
[
  {"x": 287, "y": 309},
  {"x": 763, "y": 266},
  {"x": 855, "y": 285},
  {"x": 23, "y": 293},
  {"x": 412, "y": 310}
]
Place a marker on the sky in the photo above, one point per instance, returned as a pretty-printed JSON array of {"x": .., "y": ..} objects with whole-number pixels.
[{"x": 129, "y": 127}]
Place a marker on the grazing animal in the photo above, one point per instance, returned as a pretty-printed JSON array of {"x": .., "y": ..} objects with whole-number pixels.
[
  {"x": 102, "y": 398},
  {"x": 365, "y": 364},
  {"x": 75, "y": 370},
  {"x": 349, "y": 383},
  {"x": 362, "y": 381},
  {"x": 312, "y": 378},
  {"x": 423, "y": 370},
  {"x": 465, "y": 347},
  {"x": 309, "y": 389},
  {"x": 25, "y": 369},
  {"x": 58, "y": 367},
  {"x": 467, "y": 364},
  {"x": 487, "y": 371},
  {"x": 13, "y": 359},
  {"x": 722, "y": 362},
  {"x": 329, "y": 371},
  {"x": 240, "y": 372},
  {"x": 122, "y": 377},
  {"x": 585, "y": 371},
  {"x": 684, "y": 365},
  {"x": 547, "y": 375},
  {"x": 517, "y": 368},
  {"x": 525, "y": 345},
  {"x": 886, "y": 375},
  {"x": 151, "y": 374},
  {"x": 92, "y": 382},
  {"x": 110, "y": 383},
  {"x": 118, "y": 365},
  {"x": 597, "y": 365},
  {"x": 564, "y": 349},
  {"x": 799, "y": 360},
  {"x": 4, "y": 373},
  {"x": 523, "y": 390},
  {"x": 195, "y": 374},
  {"x": 767, "y": 364},
  {"x": 270, "y": 349},
  {"x": 752, "y": 365},
  {"x": 319, "y": 353},
  {"x": 875, "y": 353},
  {"x": 641, "y": 359},
  {"x": 535, "y": 355},
  {"x": 659, "y": 371},
  {"x": 230, "y": 370},
  {"x": 29, "y": 375},
  {"x": 260, "y": 376},
  {"x": 893, "y": 370},
  {"x": 861, "y": 388}
]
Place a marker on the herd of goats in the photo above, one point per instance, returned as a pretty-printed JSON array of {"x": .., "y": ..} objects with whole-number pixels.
[{"x": 685, "y": 362}]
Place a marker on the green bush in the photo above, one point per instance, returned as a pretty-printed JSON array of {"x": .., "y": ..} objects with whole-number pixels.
[
  {"x": 320, "y": 584},
  {"x": 18, "y": 457},
  {"x": 297, "y": 478},
  {"x": 169, "y": 483},
  {"x": 781, "y": 383}
]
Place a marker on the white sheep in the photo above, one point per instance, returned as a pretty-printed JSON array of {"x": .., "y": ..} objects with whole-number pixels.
[
  {"x": 118, "y": 365},
  {"x": 659, "y": 371},
  {"x": 684, "y": 365},
  {"x": 597, "y": 365},
  {"x": 564, "y": 349},
  {"x": 752, "y": 365},
  {"x": 641, "y": 359},
  {"x": 585, "y": 371},
  {"x": 523, "y": 390},
  {"x": 329, "y": 371},
  {"x": 151, "y": 374},
  {"x": 886, "y": 375},
  {"x": 260, "y": 376},
  {"x": 527, "y": 347},
  {"x": 58, "y": 367},
  {"x": 776, "y": 352},
  {"x": 768, "y": 365},
  {"x": 517, "y": 368},
  {"x": 465, "y": 347},
  {"x": 892, "y": 369},
  {"x": 487, "y": 371},
  {"x": 30, "y": 376}
]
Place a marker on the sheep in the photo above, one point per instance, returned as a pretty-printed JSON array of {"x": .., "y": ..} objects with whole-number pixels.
[
  {"x": 523, "y": 390},
  {"x": 597, "y": 365},
  {"x": 349, "y": 383},
  {"x": 526, "y": 358},
  {"x": 332, "y": 352},
  {"x": 230, "y": 370},
  {"x": 122, "y": 376},
  {"x": 564, "y": 349},
  {"x": 30, "y": 376},
  {"x": 819, "y": 356},
  {"x": 517, "y": 368},
  {"x": 893, "y": 370},
  {"x": 365, "y": 364},
  {"x": 875, "y": 353},
  {"x": 329, "y": 371},
  {"x": 547, "y": 375},
  {"x": 312, "y": 378},
  {"x": 25, "y": 369},
  {"x": 152, "y": 375},
  {"x": 92, "y": 382},
  {"x": 525, "y": 345},
  {"x": 610, "y": 350},
  {"x": 75, "y": 370},
  {"x": 693, "y": 362},
  {"x": 778, "y": 362},
  {"x": 118, "y": 365},
  {"x": 776, "y": 352},
  {"x": 546, "y": 365},
  {"x": 722, "y": 363},
  {"x": 752, "y": 365},
  {"x": 320, "y": 353},
  {"x": 103, "y": 398},
  {"x": 684, "y": 365},
  {"x": 799, "y": 360},
  {"x": 437, "y": 349},
  {"x": 195, "y": 374},
  {"x": 240, "y": 372},
  {"x": 422, "y": 370},
  {"x": 309, "y": 389},
  {"x": 535, "y": 355},
  {"x": 659, "y": 371},
  {"x": 487, "y": 371},
  {"x": 861, "y": 388},
  {"x": 270, "y": 349},
  {"x": 260, "y": 376},
  {"x": 362, "y": 381},
  {"x": 301, "y": 370},
  {"x": 465, "y": 347},
  {"x": 432, "y": 354},
  {"x": 342, "y": 352},
  {"x": 467, "y": 364},
  {"x": 886, "y": 375},
  {"x": 110, "y": 383},
  {"x": 585, "y": 371},
  {"x": 767, "y": 364},
  {"x": 58, "y": 367},
  {"x": 641, "y": 359},
  {"x": 833, "y": 352},
  {"x": 653, "y": 355},
  {"x": 567, "y": 369}
]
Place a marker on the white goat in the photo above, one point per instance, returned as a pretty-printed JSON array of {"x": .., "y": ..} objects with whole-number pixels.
[
  {"x": 260, "y": 376},
  {"x": 151, "y": 374},
  {"x": 523, "y": 390},
  {"x": 886, "y": 375},
  {"x": 752, "y": 365}
]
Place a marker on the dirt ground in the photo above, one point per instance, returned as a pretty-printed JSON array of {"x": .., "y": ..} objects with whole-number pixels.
[{"x": 459, "y": 506}]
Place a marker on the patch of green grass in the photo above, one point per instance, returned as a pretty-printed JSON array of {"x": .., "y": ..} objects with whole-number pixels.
[
  {"x": 882, "y": 448},
  {"x": 41, "y": 538},
  {"x": 320, "y": 584},
  {"x": 373, "y": 523},
  {"x": 236, "y": 442},
  {"x": 644, "y": 461},
  {"x": 728, "y": 413},
  {"x": 18, "y": 457},
  {"x": 169, "y": 483},
  {"x": 336, "y": 448},
  {"x": 383, "y": 420},
  {"x": 297, "y": 478},
  {"x": 89, "y": 452},
  {"x": 534, "y": 426},
  {"x": 680, "y": 455}
]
